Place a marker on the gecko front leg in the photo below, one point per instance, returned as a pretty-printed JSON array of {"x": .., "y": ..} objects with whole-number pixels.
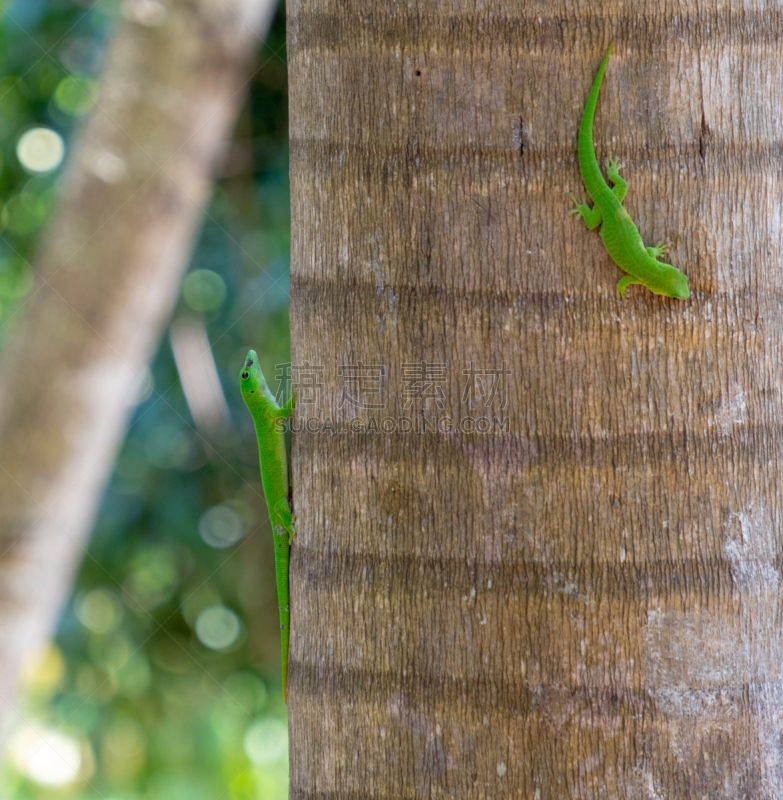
[
  {"x": 283, "y": 519},
  {"x": 620, "y": 187},
  {"x": 659, "y": 250},
  {"x": 591, "y": 216}
]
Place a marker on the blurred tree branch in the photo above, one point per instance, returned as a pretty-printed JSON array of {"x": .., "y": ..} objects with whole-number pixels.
[{"x": 108, "y": 275}]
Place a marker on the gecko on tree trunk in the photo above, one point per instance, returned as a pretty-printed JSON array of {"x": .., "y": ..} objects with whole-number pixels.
[
  {"x": 620, "y": 236},
  {"x": 268, "y": 419}
]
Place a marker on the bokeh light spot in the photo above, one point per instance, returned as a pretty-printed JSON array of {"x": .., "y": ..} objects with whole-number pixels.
[
  {"x": 220, "y": 526},
  {"x": 40, "y": 150},
  {"x": 204, "y": 290},
  {"x": 45, "y": 671},
  {"x": 244, "y": 693},
  {"x": 75, "y": 95},
  {"x": 46, "y": 756},
  {"x": 153, "y": 578},
  {"x": 99, "y": 610},
  {"x": 23, "y": 213},
  {"x": 266, "y": 741},
  {"x": 217, "y": 627},
  {"x": 123, "y": 749}
]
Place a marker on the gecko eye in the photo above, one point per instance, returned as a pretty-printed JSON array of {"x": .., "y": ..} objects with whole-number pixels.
[{"x": 245, "y": 374}]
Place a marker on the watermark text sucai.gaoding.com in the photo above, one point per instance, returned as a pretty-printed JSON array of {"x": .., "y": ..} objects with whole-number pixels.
[
  {"x": 420, "y": 389},
  {"x": 388, "y": 425}
]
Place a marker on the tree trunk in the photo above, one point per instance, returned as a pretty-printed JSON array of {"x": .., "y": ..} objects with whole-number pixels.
[
  {"x": 585, "y": 603},
  {"x": 108, "y": 276}
]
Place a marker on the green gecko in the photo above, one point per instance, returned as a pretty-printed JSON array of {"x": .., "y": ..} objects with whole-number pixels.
[
  {"x": 267, "y": 418},
  {"x": 618, "y": 232}
]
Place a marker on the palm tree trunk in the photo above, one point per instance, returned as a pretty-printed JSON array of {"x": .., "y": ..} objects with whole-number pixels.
[{"x": 583, "y": 602}]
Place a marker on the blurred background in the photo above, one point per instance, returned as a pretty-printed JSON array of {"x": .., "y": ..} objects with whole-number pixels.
[{"x": 163, "y": 680}]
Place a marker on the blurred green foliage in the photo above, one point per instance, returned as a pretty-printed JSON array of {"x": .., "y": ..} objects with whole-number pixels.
[{"x": 163, "y": 681}]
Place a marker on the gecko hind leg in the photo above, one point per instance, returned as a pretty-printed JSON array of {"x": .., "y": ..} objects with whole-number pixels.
[{"x": 624, "y": 283}]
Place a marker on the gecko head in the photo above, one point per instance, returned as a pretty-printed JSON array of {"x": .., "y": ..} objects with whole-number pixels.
[
  {"x": 251, "y": 379},
  {"x": 679, "y": 287}
]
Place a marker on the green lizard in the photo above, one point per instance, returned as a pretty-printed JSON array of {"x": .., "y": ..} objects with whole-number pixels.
[
  {"x": 267, "y": 418},
  {"x": 618, "y": 232}
]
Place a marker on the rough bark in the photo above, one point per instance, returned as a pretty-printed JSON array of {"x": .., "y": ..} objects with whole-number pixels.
[
  {"x": 588, "y": 604},
  {"x": 108, "y": 276}
]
